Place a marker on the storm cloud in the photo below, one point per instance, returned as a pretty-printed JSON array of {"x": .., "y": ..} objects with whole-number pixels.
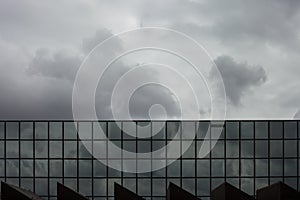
[
  {"x": 42, "y": 46},
  {"x": 238, "y": 78}
]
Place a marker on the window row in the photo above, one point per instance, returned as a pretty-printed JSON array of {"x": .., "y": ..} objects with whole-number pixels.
[
  {"x": 157, "y": 130},
  {"x": 179, "y": 168},
  {"x": 145, "y": 187}
]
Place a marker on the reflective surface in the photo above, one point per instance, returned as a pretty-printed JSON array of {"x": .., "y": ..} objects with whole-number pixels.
[{"x": 248, "y": 155}]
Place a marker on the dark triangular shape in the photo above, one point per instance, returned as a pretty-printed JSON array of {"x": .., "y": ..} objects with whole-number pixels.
[
  {"x": 10, "y": 192},
  {"x": 65, "y": 193},
  {"x": 277, "y": 191},
  {"x": 122, "y": 193},
  {"x": 176, "y": 193},
  {"x": 225, "y": 191}
]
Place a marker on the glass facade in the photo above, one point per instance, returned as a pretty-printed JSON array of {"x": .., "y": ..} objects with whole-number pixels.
[{"x": 248, "y": 155}]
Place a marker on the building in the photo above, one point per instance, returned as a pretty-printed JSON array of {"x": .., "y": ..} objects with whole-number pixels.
[{"x": 249, "y": 155}]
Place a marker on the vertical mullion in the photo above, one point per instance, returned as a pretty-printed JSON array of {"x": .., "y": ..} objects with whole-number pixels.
[
  {"x": 5, "y": 161},
  {"x": 269, "y": 162},
  {"x": 19, "y": 139}
]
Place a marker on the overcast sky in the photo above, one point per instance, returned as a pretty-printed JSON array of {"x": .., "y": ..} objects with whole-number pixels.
[{"x": 255, "y": 45}]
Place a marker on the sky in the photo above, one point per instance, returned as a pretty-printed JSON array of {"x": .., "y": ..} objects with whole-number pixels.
[{"x": 255, "y": 46}]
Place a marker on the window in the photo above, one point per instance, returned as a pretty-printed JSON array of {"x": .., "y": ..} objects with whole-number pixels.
[
  {"x": 26, "y": 130},
  {"x": 247, "y": 130},
  {"x": 276, "y": 167},
  {"x": 247, "y": 149},
  {"x": 203, "y": 168},
  {"x": 188, "y": 168},
  {"x": 232, "y": 130},
  {"x": 261, "y": 130},
  {"x": 55, "y": 130},
  {"x": 290, "y": 148},
  {"x": 276, "y": 148},
  {"x": 247, "y": 168},
  {"x": 276, "y": 129},
  {"x": 41, "y": 130},
  {"x": 290, "y": 129},
  {"x": 232, "y": 149},
  {"x": 12, "y": 130},
  {"x": 217, "y": 167},
  {"x": 232, "y": 167},
  {"x": 261, "y": 148},
  {"x": 261, "y": 167}
]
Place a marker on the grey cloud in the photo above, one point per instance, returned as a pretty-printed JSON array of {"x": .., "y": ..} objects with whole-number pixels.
[
  {"x": 59, "y": 65},
  {"x": 91, "y": 42},
  {"x": 297, "y": 115},
  {"x": 238, "y": 78}
]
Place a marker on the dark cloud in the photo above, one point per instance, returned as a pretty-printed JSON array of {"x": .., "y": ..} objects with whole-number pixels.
[{"x": 238, "y": 78}]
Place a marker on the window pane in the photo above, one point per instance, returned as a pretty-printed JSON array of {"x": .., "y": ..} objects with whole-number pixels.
[
  {"x": 275, "y": 148},
  {"x": 159, "y": 187},
  {"x": 1, "y": 130},
  {"x": 85, "y": 168},
  {"x": 276, "y": 167},
  {"x": 55, "y": 130},
  {"x": 232, "y": 130},
  {"x": 55, "y": 168},
  {"x": 174, "y": 169},
  {"x": 247, "y": 185},
  {"x": 12, "y": 130},
  {"x": 247, "y": 167},
  {"x": 261, "y": 130},
  {"x": 41, "y": 186},
  {"x": 203, "y": 186},
  {"x": 203, "y": 168},
  {"x": 41, "y": 168},
  {"x": 190, "y": 152},
  {"x": 70, "y": 168},
  {"x": 188, "y": 168},
  {"x": 12, "y": 168},
  {"x": 85, "y": 130},
  {"x": 41, "y": 149},
  {"x": 114, "y": 132},
  {"x": 100, "y": 187},
  {"x": 70, "y": 149},
  {"x": 218, "y": 150},
  {"x": 202, "y": 130},
  {"x": 232, "y": 149},
  {"x": 290, "y": 129},
  {"x": 41, "y": 130},
  {"x": 217, "y": 168},
  {"x": 188, "y": 184},
  {"x": 261, "y": 148},
  {"x": 232, "y": 167},
  {"x": 85, "y": 187},
  {"x": 261, "y": 167},
  {"x": 276, "y": 129},
  {"x": 26, "y": 130},
  {"x": 2, "y": 149},
  {"x": 159, "y": 131},
  {"x": 290, "y": 167},
  {"x": 55, "y": 149},
  {"x": 27, "y": 168},
  {"x": 247, "y": 130},
  {"x": 2, "y": 167},
  {"x": 99, "y": 169},
  {"x": 99, "y": 130},
  {"x": 12, "y": 149},
  {"x": 290, "y": 148},
  {"x": 70, "y": 131},
  {"x": 247, "y": 149},
  {"x": 172, "y": 129}
]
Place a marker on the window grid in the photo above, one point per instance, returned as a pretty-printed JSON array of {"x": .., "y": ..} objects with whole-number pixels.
[{"x": 244, "y": 181}]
